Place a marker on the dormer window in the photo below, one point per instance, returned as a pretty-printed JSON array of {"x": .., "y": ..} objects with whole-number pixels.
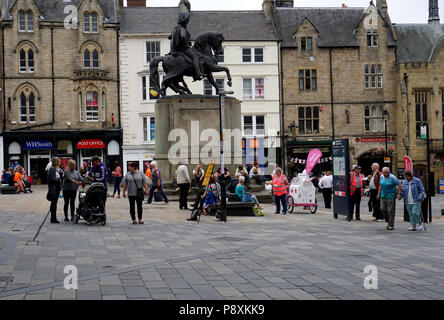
[
  {"x": 306, "y": 44},
  {"x": 372, "y": 38},
  {"x": 26, "y": 21},
  {"x": 90, "y": 22}
]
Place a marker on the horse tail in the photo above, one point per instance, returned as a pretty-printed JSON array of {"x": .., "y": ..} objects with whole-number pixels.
[{"x": 154, "y": 74}]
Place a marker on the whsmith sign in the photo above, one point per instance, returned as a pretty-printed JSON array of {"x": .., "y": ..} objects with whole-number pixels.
[{"x": 38, "y": 145}]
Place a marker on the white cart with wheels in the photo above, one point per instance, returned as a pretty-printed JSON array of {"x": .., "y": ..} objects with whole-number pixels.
[{"x": 302, "y": 193}]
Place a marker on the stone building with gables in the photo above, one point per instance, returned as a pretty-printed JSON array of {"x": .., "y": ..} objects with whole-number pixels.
[
  {"x": 338, "y": 78},
  {"x": 420, "y": 93},
  {"x": 61, "y": 81}
]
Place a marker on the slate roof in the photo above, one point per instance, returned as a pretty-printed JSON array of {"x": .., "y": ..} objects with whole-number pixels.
[
  {"x": 235, "y": 25},
  {"x": 52, "y": 10},
  {"x": 416, "y": 42},
  {"x": 336, "y": 26}
]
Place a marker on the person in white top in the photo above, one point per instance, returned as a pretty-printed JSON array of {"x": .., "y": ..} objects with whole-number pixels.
[
  {"x": 326, "y": 184},
  {"x": 184, "y": 183}
]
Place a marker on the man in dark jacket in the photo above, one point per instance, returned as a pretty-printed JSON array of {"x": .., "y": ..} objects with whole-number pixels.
[{"x": 99, "y": 173}]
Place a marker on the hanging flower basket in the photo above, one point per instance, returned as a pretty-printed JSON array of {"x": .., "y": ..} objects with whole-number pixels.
[{"x": 436, "y": 162}]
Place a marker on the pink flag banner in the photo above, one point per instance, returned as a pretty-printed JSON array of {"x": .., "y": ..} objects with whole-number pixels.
[
  {"x": 312, "y": 160},
  {"x": 408, "y": 164}
]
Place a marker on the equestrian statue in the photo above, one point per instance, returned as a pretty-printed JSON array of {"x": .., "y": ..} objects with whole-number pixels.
[{"x": 198, "y": 61}]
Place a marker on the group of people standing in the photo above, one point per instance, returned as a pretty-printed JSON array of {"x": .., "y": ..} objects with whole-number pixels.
[{"x": 385, "y": 189}]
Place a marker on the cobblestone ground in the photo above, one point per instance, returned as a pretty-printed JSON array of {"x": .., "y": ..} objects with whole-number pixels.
[{"x": 298, "y": 256}]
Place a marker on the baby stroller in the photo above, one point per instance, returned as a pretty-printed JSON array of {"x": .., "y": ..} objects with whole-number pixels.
[{"x": 91, "y": 206}]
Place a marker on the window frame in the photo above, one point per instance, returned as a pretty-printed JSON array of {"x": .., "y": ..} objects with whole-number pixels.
[
  {"x": 308, "y": 76},
  {"x": 92, "y": 119},
  {"x": 221, "y": 57},
  {"x": 151, "y": 52},
  {"x": 374, "y": 119},
  {"x": 373, "y": 77},
  {"x": 24, "y": 63},
  {"x": 306, "y": 44},
  {"x": 103, "y": 105},
  {"x": 207, "y": 85},
  {"x": 27, "y": 106},
  {"x": 372, "y": 37},
  {"x": 305, "y": 119},
  {"x": 89, "y": 24},
  {"x": 146, "y": 90},
  {"x": 254, "y": 88},
  {"x": 146, "y": 128},
  {"x": 253, "y": 56},
  {"x": 254, "y": 129},
  {"x": 422, "y": 99}
]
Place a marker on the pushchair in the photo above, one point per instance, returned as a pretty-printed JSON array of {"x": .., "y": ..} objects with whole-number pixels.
[{"x": 91, "y": 205}]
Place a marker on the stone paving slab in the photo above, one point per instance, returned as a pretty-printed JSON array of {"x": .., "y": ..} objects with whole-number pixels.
[{"x": 297, "y": 256}]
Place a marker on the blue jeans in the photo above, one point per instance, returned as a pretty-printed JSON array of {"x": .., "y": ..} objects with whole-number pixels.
[
  {"x": 281, "y": 199},
  {"x": 117, "y": 182},
  {"x": 414, "y": 213}
]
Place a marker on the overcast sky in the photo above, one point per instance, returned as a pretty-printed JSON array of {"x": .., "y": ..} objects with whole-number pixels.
[{"x": 401, "y": 11}]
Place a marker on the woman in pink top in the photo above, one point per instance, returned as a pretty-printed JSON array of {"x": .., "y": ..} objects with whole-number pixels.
[{"x": 117, "y": 174}]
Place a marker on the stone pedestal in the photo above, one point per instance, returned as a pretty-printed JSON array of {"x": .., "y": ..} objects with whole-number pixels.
[{"x": 192, "y": 124}]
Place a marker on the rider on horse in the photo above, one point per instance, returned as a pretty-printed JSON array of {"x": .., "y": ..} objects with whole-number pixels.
[{"x": 181, "y": 40}]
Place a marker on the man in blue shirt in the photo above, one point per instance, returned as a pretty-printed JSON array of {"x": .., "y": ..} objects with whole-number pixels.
[
  {"x": 99, "y": 173},
  {"x": 388, "y": 191}
]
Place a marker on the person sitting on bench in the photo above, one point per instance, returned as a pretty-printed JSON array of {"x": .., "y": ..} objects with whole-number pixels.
[{"x": 243, "y": 196}]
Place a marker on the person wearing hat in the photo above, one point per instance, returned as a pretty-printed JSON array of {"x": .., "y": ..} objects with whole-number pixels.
[
  {"x": 99, "y": 173},
  {"x": 356, "y": 191}
]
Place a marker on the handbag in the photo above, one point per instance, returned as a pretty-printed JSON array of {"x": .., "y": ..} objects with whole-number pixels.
[
  {"x": 140, "y": 195},
  {"x": 158, "y": 196}
]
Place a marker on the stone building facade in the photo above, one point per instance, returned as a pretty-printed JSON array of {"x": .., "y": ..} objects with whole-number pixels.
[
  {"x": 339, "y": 76},
  {"x": 61, "y": 82},
  {"x": 420, "y": 94}
]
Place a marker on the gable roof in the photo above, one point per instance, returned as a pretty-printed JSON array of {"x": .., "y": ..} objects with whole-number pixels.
[
  {"x": 235, "y": 25},
  {"x": 416, "y": 42},
  {"x": 52, "y": 10},
  {"x": 336, "y": 26}
]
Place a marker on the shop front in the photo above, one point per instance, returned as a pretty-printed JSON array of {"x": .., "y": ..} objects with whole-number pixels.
[
  {"x": 370, "y": 150},
  {"x": 35, "y": 154},
  {"x": 141, "y": 156},
  {"x": 38, "y": 154},
  {"x": 297, "y": 153}
]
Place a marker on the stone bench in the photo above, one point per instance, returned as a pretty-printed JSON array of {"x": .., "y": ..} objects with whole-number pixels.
[
  {"x": 7, "y": 190},
  {"x": 235, "y": 209}
]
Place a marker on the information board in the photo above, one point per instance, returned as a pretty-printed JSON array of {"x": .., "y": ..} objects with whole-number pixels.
[{"x": 341, "y": 178}]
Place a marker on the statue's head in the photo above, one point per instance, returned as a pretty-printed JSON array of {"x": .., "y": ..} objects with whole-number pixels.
[
  {"x": 184, "y": 18},
  {"x": 217, "y": 44}
]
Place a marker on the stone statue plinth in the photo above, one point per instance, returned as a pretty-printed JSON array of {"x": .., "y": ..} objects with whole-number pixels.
[{"x": 192, "y": 122}]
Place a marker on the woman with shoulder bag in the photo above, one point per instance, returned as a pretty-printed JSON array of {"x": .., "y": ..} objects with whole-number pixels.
[
  {"x": 55, "y": 176},
  {"x": 135, "y": 183}
]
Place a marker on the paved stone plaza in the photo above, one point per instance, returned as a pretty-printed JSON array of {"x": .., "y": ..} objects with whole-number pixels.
[{"x": 298, "y": 256}]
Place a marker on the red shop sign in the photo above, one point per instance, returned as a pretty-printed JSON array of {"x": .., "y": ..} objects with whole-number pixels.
[
  {"x": 364, "y": 140},
  {"x": 91, "y": 144}
]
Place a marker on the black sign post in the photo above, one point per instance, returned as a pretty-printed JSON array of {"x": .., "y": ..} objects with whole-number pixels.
[{"x": 341, "y": 179}]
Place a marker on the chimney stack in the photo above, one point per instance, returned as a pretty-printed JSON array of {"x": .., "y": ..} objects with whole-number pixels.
[
  {"x": 132, "y": 3},
  {"x": 267, "y": 8},
  {"x": 382, "y": 5},
  {"x": 434, "y": 20},
  {"x": 284, "y": 3}
]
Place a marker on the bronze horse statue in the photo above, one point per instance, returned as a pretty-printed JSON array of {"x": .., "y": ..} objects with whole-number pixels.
[{"x": 208, "y": 46}]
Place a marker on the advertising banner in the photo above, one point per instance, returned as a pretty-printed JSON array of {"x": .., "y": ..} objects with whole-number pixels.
[{"x": 313, "y": 158}]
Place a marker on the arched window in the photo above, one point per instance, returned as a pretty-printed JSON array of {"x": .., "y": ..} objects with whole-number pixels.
[
  {"x": 26, "y": 58},
  {"x": 103, "y": 106},
  {"x": 91, "y": 56},
  {"x": 22, "y": 21},
  {"x": 90, "y": 22},
  {"x": 30, "y": 21},
  {"x": 27, "y": 106},
  {"x": 86, "y": 59}
]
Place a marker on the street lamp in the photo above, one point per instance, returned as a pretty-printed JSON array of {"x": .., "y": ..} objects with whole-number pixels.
[{"x": 386, "y": 119}]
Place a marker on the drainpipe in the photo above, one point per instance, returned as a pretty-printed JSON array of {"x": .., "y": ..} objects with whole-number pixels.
[
  {"x": 3, "y": 79},
  {"x": 332, "y": 96},
  {"x": 281, "y": 110},
  {"x": 406, "y": 81},
  {"x": 52, "y": 75},
  {"x": 118, "y": 93}
]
